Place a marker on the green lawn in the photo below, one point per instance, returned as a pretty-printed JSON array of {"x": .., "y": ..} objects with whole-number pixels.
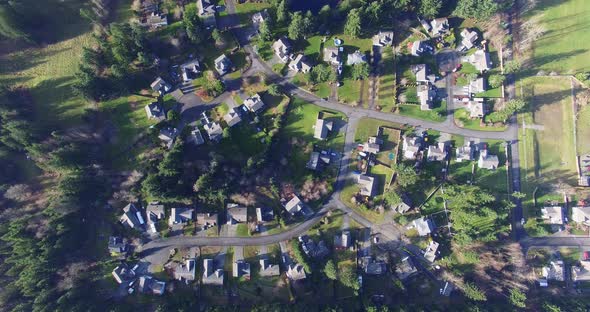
[
  {"x": 368, "y": 127},
  {"x": 386, "y": 93},
  {"x": 494, "y": 180},
  {"x": 322, "y": 90},
  {"x": 436, "y": 114},
  {"x": 242, "y": 231},
  {"x": 462, "y": 119},
  {"x": 491, "y": 93},
  {"x": 383, "y": 174},
  {"x": 583, "y": 130},
  {"x": 246, "y": 9},
  {"x": 349, "y": 91}
]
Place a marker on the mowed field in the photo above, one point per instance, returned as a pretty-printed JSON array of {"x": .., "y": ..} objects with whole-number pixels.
[{"x": 565, "y": 45}]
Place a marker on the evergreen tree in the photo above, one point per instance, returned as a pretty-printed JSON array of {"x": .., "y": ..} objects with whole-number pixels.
[{"x": 353, "y": 23}]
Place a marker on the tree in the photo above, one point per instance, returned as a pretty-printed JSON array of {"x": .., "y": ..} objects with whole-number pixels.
[
  {"x": 214, "y": 86},
  {"x": 496, "y": 80},
  {"x": 349, "y": 278},
  {"x": 360, "y": 71},
  {"x": 471, "y": 76},
  {"x": 216, "y": 35},
  {"x": 202, "y": 183},
  {"x": 282, "y": 12},
  {"x": 405, "y": 175},
  {"x": 518, "y": 195},
  {"x": 517, "y": 298},
  {"x": 429, "y": 8},
  {"x": 330, "y": 270},
  {"x": 296, "y": 27},
  {"x": 352, "y": 27},
  {"x": 321, "y": 73},
  {"x": 195, "y": 30},
  {"x": 473, "y": 292},
  {"x": 324, "y": 15},
  {"x": 308, "y": 24},
  {"x": 511, "y": 67},
  {"x": 548, "y": 307},
  {"x": 478, "y": 9},
  {"x": 265, "y": 32},
  {"x": 392, "y": 198},
  {"x": 173, "y": 115},
  {"x": 274, "y": 90}
]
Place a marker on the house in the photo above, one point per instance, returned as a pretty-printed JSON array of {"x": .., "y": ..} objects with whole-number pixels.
[
  {"x": 206, "y": 220},
  {"x": 383, "y": 39},
  {"x": 411, "y": 146},
  {"x": 168, "y": 135},
  {"x": 437, "y": 152},
  {"x": 236, "y": 214},
  {"x": 259, "y": 18},
  {"x": 425, "y": 24},
  {"x": 267, "y": 269},
  {"x": 487, "y": 161},
  {"x": 294, "y": 205},
  {"x": 552, "y": 215},
  {"x": 581, "y": 215},
  {"x": 371, "y": 148},
  {"x": 475, "y": 108},
  {"x": 343, "y": 240},
  {"x": 316, "y": 160},
  {"x": 430, "y": 251},
  {"x": 161, "y": 86},
  {"x": 440, "y": 26},
  {"x": 404, "y": 205},
  {"x": 295, "y": 272},
  {"x": 186, "y": 272},
  {"x": 366, "y": 184},
  {"x": 300, "y": 64},
  {"x": 254, "y": 103},
  {"x": 264, "y": 214},
  {"x": 375, "y": 267},
  {"x": 282, "y": 48},
  {"x": 155, "y": 110},
  {"x": 241, "y": 268},
  {"x": 465, "y": 152},
  {"x": 132, "y": 217},
  {"x": 322, "y": 128},
  {"x": 423, "y": 225},
  {"x": 406, "y": 268},
  {"x": 469, "y": 37},
  {"x": 426, "y": 96},
  {"x": 223, "y": 64},
  {"x": 154, "y": 212},
  {"x": 581, "y": 272},
  {"x": 150, "y": 285},
  {"x": 332, "y": 55},
  {"x": 422, "y": 74},
  {"x": 554, "y": 271},
  {"x": 116, "y": 245},
  {"x": 420, "y": 47},
  {"x": 232, "y": 117},
  {"x": 207, "y": 13},
  {"x": 313, "y": 249},
  {"x": 122, "y": 273},
  {"x": 190, "y": 70},
  {"x": 481, "y": 60},
  {"x": 196, "y": 137},
  {"x": 155, "y": 20},
  {"x": 214, "y": 131},
  {"x": 180, "y": 215},
  {"x": 477, "y": 86},
  {"x": 356, "y": 58},
  {"x": 211, "y": 275}
]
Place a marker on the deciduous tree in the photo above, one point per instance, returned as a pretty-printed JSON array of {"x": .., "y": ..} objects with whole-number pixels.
[{"x": 353, "y": 23}]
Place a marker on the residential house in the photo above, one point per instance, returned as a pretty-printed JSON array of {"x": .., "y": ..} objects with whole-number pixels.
[
  {"x": 168, "y": 135},
  {"x": 223, "y": 64},
  {"x": 411, "y": 147},
  {"x": 426, "y": 96},
  {"x": 469, "y": 37},
  {"x": 241, "y": 268},
  {"x": 343, "y": 240},
  {"x": 154, "y": 213},
  {"x": 581, "y": 215},
  {"x": 211, "y": 275},
  {"x": 123, "y": 274},
  {"x": 554, "y": 271},
  {"x": 425, "y": 24},
  {"x": 487, "y": 160},
  {"x": 254, "y": 103},
  {"x": 440, "y": 26},
  {"x": 186, "y": 272},
  {"x": 267, "y": 269},
  {"x": 155, "y": 20},
  {"x": 375, "y": 267},
  {"x": 332, "y": 55},
  {"x": 420, "y": 47},
  {"x": 236, "y": 214},
  {"x": 424, "y": 226},
  {"x": 584, "y": 180},
  {"x": 317, "y": 160},
  {"x": 282, "y": 48},
  {"x": 437, "y": 152},
  {"x": 481, "y": 60},
  {"x": 264, "y": 214},
  {"x": 300, "y": 64},
  {"x": 477, "y": 86},
  {"x": 581, "y": 272},
  {"x": 294, "y": 206},
  {"x": 366, "y": 184},
  {"x": 150, "y": 285},
  {"x": 383, "y": 39},
  {"x": 214, "y": 131},
  {"x": 161, "y": 86},
  {"x": 207, "y": 12},
  {"x": 475, "y": 108},
  {"x": 406, "y": 268},
  {"x": 232, "y": 117},
  {"x": 180, "y": 216},
  {"x": 155, "y": 110},
  {"x": 430, "y": 251},
  {"x": 295, "y": 272},
  {"x": 259, "y": 18},
  {"x": 552, "y": 215},
  {"x": 322, "y": 128},
  {"x": 371, "y": 148},
  {"x": 206, "y": 220},
  {"x": 356, "y": 58},
  {"x": 132, "y": 217},
  {"x": 116, "y": 245},
  {"x": 313, "y": 249},
  {"x": 465, "y": 152},
  {"x": 190, "y": 70},
  {"x": 404, "y": 206},
  {"x": 422, "y": 73},
  {"x": 196, "y": 137}
]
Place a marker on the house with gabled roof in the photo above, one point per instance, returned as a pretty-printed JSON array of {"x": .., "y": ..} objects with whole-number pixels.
[
  {"x": 322, "y": 128},
  {"x": 317, "y": 160},
  {"x": 185, "y": 272},
  {"x": 300, "y": 64},
  {"x": 181, "y": 215},
  {"x": 132, "y": 217},
  {"x": 343, "y": 240},
  {"x": 405, "y": 268},
  {"x": 411, "y": 146},
  {"x": 423, "y": 225},
  {"x": 150, "y": 285},
  {"x": 168, "y": 135},
  {"x": 477, "y": 86},
  {"x": 214, "y": 131},
  {"x": 155, "y": 110},
  {"x": 552, "y": 215},
  {"x": 236, "y": 214},
  {"x": 383, "y": 38},
  {"x": 465, "y": 152},
  {"x": 123, "y": 274},
  {"x": 356, "y": 58},
  {"x": 282, "y": 49},
  {"x": 232, "y": 117},
  {"x": 161, "y": 86},
  {"x": 426, "y": 96},
  {"x": 374, "y": 267},
  {"x": 241, "y": 268},
  {"x": 481, "y": 60},
  {"x": 206, "y": 220},
  {"x": 190, "y": 70},
  {"x": 420, "y": 47},
  {"x": 437, "y": 152},
  {"x": 154, "y": 212},
  {"x": 422, "y": 74},
  {"x": 154, "y": 20},
  {"x": 581, "y": 215},
  {"x": 264, "y": 214},
  {"x": 254, "y": 103},
  {"x": 223, "y": 64},
  {"x": 475, "y": 107},
  {"x": 116, "y": 245},
  {"x": 206, "y": 11},
  {"x": 430, "y": 251},
  {"x": 211, "y": 274},
  {"x": 554, "y": 271},
  {"x": 260, "y": 17},
  {"x": 267, "y": 269},
  {"x": 440, "y": 26},
  {"x": 294, "y": 205},
  {"x": 196, "y": 137},
  {"x": 295, "y": 272},
  {"x": 487, "y": 160},
  {"x": 469, "y": 38},
  {"x": 366, "y": 184},
  {"x": 332, "y": 55}
]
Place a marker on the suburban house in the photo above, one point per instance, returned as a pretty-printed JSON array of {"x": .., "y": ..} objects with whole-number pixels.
[
  {"x": 185, "y": 272},
  {"x": 420, "y": 47},
  {"x": 581, "y": 215},
  {"x": 267, "y": 269},
  {"x": 254, "y": 103},
  {"x": 211, "y": 275},
  {"x": 366, "y": 184},
  {"x": 223, "y": 64},
  {"x": 295, "y": 272},
  {"x": 552, "y": 215},
  {"x": 554, "y": 271},
  {"x": 424, "y": 226},
  {"x": 132, "y": 217},
  {"x": 154, "y": 212},
  {"x": 374, "y": 267},
  {"x": 294, "y": 206},
  {"x": 440, "y": 26},
  {"x": 465, "y": 152},
  {"x": 264, "y": 214},
  {"x": 481, "y": 60},
  {"x": 190, "y": 70},
  {"x": 404, "y": 205},
  {"x": 383, "y": 38},
  {"x": 437, "y": 152},
  {"x": 332, "y": 55},
  {"x": 150, "y": 285},
  {"x": 371, "y": 148},
  {"x": 168, "y": 135},
  {"x": 343, "y": 240},
  {"x": 422, "y": 73},
  {"x": 122, "y": 273},
  {"x": 236, "y": 214},
  {"x": 116, "y": 245},
  {"x": 411, "y": 146},
  {"x": 241, "y": 268},
  {"x": 316, "y": 160},
  {"x": 282, "y": 48},
  {"x": 206, "y": 220},
  {"x": 180, "y": 216},
  {"x": 487, "y": 161},
  {"x": 300, "y": 64},
  {"x": 322, "y": 128},
  {"x": 477, "y": 86},
  {"x": 232, "y": 117},
  {"x": 156, "y": 111},
  {"x": 207, "y": 12},
  {"x": 426, "y": 96},
  {"x": 469, "y": 37},
  {"x": 406, "y": 268},
  {"x": 581, "y": 272},
  {"x": 259, "y": 18},
  {"x": 154, "y": 20},
  {"x": 161, "y": 86},
  {"x": 430, "y": 251},
  {"x": 313, "y": 249},
  {"x": 196, "y": 137},
  {"x": 356, "y": 58},
  {"x": 475, "y": 108},
  {"x": 214, "y": 131}
]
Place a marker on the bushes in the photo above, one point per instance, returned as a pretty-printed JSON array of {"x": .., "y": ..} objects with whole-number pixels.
[
  {"x": 511, "y": 107},
  {"x": 299, "y": 255}
]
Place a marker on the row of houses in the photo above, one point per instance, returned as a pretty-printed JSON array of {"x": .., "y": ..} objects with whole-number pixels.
[{"x": 555, "y": 215}]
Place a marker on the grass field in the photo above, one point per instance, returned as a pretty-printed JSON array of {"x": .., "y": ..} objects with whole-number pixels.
[
  {"x": 383, "y": 174},
  {"x": 437, "y": 114},
  {"x": 386, "y": 93},
  {"x": 462, "y": 119},
  {"x": 565, "y": 45},
  {"x": 583, "y": 128}
]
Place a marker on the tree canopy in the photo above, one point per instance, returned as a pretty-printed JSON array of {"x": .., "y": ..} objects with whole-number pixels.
[
  {"x": 353, "y": 23},
  {"x": 478, "y": 9}
]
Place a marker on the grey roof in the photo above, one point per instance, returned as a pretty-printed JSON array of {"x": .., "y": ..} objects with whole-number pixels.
[
  {"x": 404, "y": 205},
  {"x": 383, "y": 38},
  {"x": 475, "y": 108},
  {"x": 185, "y": 271},
  {"x": 116, "y": 244},
  {"x": 342, "y": 240},
  {"x": 237, "y": 214},
  {"x": 205, "y": 7},
  {"x": 190, "y": 70},
  {"x": 430, "y": 251},
  {"x": 160, "y": 85},
  {"x": 214, "y": 131},
  {"x": 155, "y": 211},
  {"x": 148, "y": 284},
  {"x": 282, "y": 48},
  {"x": 206, "y": 219},
  {"x": 356, "y": 58},
  {"x": 260, "y": 17},
  {"x": 322, "y": 127},
  {"x": 423, "y": 226},
  {"x": 211, "y": 275},
  {"x": 254, "y": 103},
  {"x": 196, "y": 137},
  {"x": 180, "y": 215},
  {"x": 469, "y": 38},
  {"x": 554, "y": 271},
  {"x": 437, "y": 152},
  {"x": 406, "y": 268},
  {"x": 295, "y": 272},
  {"x": 122, "y": 273},
  {"x": 581, "y": 214},
  {"x": 267, "y": 269},
  {"x": 241, "y": 268},
  {"x": 314, "y": 160},
  {"x": 374, "y": 267},
  {"x": 232, "y": 117},
  {"x": 132, "y": 217},
  {"x": 480, "y": 59},
  {"x": 222, "y": 64},
  {"x": 411, "y": 146},
  {"x": 426, "y": 96},
  {"x": 332, "y": 55},
  {"x": 477, "y": 86},
  {"x": 552, "y": 214},
  {"x": 418, "y": 47},
  {"x": 487, "y": 161},
  {"x": 155, "y": 110},
  {"x": 439, "y": 25},
  {"x": 465, "y": 152},
  {"x": 366, "y": 184},
  {"x": 300, "y": 64},
  {"x": 168, "y": 135},
  {"x": 264, "y": 214}
]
